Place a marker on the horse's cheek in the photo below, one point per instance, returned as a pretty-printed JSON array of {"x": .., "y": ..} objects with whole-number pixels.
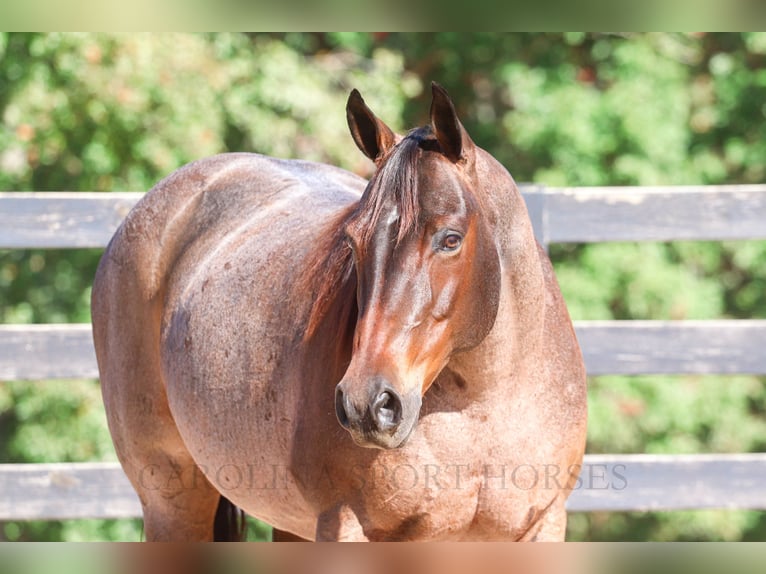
[
  {"x": 482, "y": 295},
  {"x": 489, "y": 280}
]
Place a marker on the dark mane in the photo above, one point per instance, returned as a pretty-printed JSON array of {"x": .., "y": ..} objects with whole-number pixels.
[{"x": 395, "y": 180}]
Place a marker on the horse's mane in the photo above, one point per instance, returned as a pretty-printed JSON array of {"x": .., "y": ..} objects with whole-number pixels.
[{"x": 395, "y": 179}]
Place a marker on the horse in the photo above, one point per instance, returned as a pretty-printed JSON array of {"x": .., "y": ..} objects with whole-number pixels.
[{"x": 339, "y": 358}]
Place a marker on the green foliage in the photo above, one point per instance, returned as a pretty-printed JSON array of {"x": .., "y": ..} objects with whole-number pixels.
[
  {"x": 59, "y": 421},
  {"x": 98, "y": 112},
  {"x": 46, "y": 286},
  {"x": 679, "y": 526},
  {"x": 676, "y": 415},
  {"x": 637, "y": 281}
]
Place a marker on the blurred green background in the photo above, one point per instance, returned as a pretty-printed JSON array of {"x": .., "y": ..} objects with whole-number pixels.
[{"x": 117, "y": 112}]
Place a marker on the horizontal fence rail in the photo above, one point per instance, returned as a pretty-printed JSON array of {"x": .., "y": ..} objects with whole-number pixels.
[
  {"x": 599, "y": 214},
  {"x": 559, "y": 215},
  {"x": 673, "y": 347},
  {"x": 643, "y": 482},
  {"x": 61, "y": 219},
  {"x": 62, "y": 491},
  {"x": 38, "y": 352}
]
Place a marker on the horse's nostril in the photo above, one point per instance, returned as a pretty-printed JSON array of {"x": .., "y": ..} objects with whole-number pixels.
[
  {"x": 340, "y": 408},
  {"x": 387, "y": 410}
]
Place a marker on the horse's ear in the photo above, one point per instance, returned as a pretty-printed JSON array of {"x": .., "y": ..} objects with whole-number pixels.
[
  {"x": 452, "y": 137},
  {"x": 370, "y": 134}
]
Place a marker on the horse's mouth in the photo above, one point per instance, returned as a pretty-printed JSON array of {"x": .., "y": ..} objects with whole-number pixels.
[
  {"x": 382, "y": 441},
  {"x": 367, "y": 437}
]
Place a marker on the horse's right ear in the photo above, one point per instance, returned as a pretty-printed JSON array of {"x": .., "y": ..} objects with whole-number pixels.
[{"x": 370, "y": 134}]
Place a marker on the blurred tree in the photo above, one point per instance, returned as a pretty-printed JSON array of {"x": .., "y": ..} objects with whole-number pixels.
[{"x": 118, "y": 112}]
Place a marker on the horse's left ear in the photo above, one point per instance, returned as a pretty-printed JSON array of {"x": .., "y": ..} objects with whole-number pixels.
[
  {"x": 452, "y": 137},
  {"x": 370, "y": 134}
]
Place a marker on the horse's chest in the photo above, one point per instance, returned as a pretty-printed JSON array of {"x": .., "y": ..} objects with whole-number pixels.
[
  {"x": 447, "y": 501},
  {"x": 419, "y": 501},
  {"x": 475, "y": 488}
]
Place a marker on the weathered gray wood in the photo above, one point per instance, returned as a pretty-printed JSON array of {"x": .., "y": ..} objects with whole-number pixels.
[
  {"x": 60, "y": 491},
  {"x": 61, "y": 219},
  {"x": 535, "y": 197},
  {"x": 656, "y": 347},
  {"x": 68, "y": 220},
  {"x": 671, "y": 482},
  {"x": 39, "y": 352},
  {"x": 586, "y": 215}
]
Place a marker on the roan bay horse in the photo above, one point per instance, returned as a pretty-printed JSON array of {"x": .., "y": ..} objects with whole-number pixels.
[{"x": 343, "y": 360}]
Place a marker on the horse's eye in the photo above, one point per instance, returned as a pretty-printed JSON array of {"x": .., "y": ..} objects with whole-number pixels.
[{"x": 451, "y": 241}]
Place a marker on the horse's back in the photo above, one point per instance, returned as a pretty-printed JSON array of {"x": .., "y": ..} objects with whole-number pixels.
[{"x": 209, "y": 198}]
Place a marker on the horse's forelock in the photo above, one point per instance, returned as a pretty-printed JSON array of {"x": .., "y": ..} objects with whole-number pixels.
[{"x": 396, "y": 180}]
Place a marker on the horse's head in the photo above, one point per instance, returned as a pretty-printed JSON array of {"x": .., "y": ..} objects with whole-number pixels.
[{"x": 427, "y": 269}]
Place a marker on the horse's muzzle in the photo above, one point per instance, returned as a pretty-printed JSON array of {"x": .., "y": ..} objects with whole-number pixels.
[{"x": 382, "y": 418}]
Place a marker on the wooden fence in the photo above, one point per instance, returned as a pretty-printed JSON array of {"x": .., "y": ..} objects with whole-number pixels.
[{"x": 576, "y": 215}]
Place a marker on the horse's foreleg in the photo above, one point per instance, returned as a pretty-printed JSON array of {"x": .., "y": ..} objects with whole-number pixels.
[
  {"x": 178, "y": 501},
  {"x": 179, "y": 504},
  {"x": 340, "y": 524},
  {"x": 553, "y": 524}
]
